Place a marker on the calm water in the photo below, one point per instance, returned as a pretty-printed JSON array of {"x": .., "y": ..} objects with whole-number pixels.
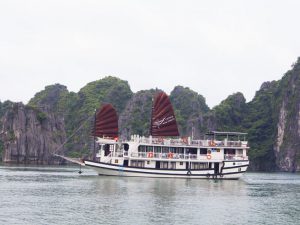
[{"x": 59, "y": 195}]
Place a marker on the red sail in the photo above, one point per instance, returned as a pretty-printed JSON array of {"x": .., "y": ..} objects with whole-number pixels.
[
  {"x": 106, "y": 124},
  {"x": 163, "y": 121}
]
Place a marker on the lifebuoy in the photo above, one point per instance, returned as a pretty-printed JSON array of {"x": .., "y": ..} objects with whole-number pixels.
[
  {"x": 150, "y": 155},
  {"x": 170, "y": 155},
  {"x": 208, "y": 157}
]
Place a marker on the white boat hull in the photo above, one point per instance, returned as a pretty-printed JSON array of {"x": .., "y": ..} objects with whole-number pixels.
[{"x": 233, "y": 172}]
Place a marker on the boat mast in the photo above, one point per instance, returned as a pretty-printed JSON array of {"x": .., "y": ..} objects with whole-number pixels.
[
  {"x": 151, "y": 118},
  {"x": 193, "y": 130},
  {"x": 94, "y": 150}
]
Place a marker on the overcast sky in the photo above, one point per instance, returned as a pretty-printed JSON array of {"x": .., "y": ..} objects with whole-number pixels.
[{"x": 216, "y": 48}]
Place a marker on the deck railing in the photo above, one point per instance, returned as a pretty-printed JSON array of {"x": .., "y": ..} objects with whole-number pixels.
[
  {"x": 169, "y": 155},
  {"x": 154, "y": 155},
  {"x": 189, "y": 142},
  {"x": 235, "y": 157}
]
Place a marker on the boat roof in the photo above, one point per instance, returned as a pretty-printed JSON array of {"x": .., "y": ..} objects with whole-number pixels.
[{"x": 220, "y": 133}]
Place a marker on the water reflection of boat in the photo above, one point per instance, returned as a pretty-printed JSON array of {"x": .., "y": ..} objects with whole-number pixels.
[{"x": 220, "y": 155}]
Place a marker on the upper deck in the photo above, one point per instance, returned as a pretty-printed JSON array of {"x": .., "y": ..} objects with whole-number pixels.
[
  {"x": 217, "y": 146},
  {"x": 212, "y": 139}
]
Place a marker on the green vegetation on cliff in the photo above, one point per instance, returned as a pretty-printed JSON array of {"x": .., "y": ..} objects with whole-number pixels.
[
  {"x": 4, "y": 106},
  {"x": 50, "y": 97},
  {"x": 91, "y": 97},
  {"x": 259, "y": 122},
  {"x": 135, "y": 119},
  {"x": 79, "y": 108},
  {"x": 188, "y": 106},
  {"x": 107, "y": 90},
  {"x": 230, "y": 113}
]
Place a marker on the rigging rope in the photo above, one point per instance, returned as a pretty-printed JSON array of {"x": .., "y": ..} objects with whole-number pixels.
[{"x": 66, "y": 141}]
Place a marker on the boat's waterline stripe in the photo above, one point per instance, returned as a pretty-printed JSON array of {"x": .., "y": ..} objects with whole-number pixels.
[
  {"x": 233, "y": 167},
  {"x": 138, "y": 168}
]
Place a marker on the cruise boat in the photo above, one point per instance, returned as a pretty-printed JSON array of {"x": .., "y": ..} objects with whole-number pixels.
[{"x": 164, "y": 154}]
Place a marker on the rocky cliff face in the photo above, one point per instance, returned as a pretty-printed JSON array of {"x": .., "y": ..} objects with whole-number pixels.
[
  {"x": 78, "y": 108},
  {"x": 192, "y": 112},
  {"x": 287, "y": 133},
  {"x": 31, "y": 135},
  {"x": 135, "y": 119}
]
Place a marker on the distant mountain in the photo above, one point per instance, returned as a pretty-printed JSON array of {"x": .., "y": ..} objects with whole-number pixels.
[
  {"x": 271, "y": 119},
  {"x": 135, "y": 118},
  {"x": 78, "y": 109}
]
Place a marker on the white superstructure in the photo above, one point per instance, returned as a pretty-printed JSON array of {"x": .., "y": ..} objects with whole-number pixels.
[{"x": 221, "y": 155}]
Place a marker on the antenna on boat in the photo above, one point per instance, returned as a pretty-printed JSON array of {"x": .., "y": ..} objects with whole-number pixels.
[
  {"x": 94, "y": 150},
  {"x": 152, "y": 109},
  {"x": 193, "y": 130}
]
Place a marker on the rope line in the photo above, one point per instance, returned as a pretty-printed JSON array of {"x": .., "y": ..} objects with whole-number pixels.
[{"x": 68, "y": 139}]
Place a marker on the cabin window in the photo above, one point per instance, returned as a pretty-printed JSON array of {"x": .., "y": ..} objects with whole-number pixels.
[
  {"x": 173, "y": 150},
  {"x": 164, "y": 165},
  {"x": 126, "y": 147},
  {"x": 165, "y": 149},
  {"x": 106, "y": 147},
  {"x": 203, "y": 151},
  {"x": 136, "y": 163},
  {"x": 203, "y": 166},
  {"x": 133, "y": 163},
  {"x": 193, "y": 151},
  {"x": 140, "y": 163},
  {"x": 229, "y": 151},
  {"x": 181, "y": 163},
  {"x": 218, "y": 150},
  {"x": 157, "y": 149},
  {"x": 142, "y": 148},
  {"x": 149, "y": 149},
  {"x": 148, "y": 162},
  {"x": 173, "y": 165},
  {"x": 195, "y": 166},
  {"x": 106, "y": 150},
  {"x": 179, "y": 150},
  {"x": 198, "y": 166},
  {"x": 239, "y": 152},
  {"x": 111, "y": 148},
  {"x": 116, "y": 161}
]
